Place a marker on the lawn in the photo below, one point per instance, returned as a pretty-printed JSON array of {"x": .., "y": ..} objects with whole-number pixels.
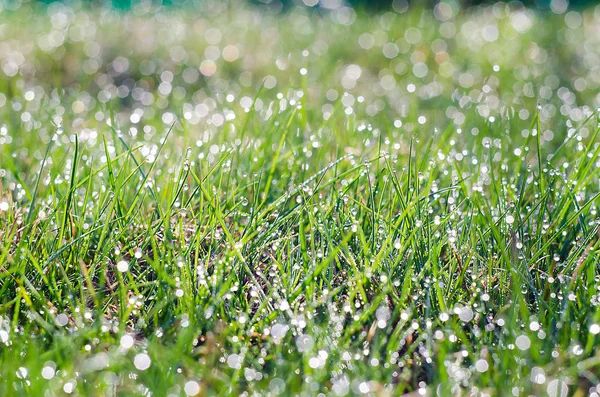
[{"x": 233, "y": 199}]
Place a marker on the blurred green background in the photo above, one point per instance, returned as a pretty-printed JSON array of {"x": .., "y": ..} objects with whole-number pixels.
[{"x": 364, "y": 4}]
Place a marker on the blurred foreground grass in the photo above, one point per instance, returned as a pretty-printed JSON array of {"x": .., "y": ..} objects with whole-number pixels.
[{"x": 218, "y": 200}]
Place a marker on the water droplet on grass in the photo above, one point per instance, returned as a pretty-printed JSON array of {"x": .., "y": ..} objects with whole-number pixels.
[
  {"x": 62, "y": 319},
  {"x": 482, "y": 365},
  {"x": 142, "y": 361},
  {"x": 465, "y": 314},
  {"x": 523, "y": 342},
  {"x": 191, "y": 388},
  {"x": 122, "y": 266}
]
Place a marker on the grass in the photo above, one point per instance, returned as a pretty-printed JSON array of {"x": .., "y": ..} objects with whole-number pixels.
[{"x": 230, "y": 200}]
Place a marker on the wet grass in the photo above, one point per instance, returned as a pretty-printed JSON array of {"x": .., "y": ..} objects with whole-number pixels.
[{"x": 232, "y": 201}]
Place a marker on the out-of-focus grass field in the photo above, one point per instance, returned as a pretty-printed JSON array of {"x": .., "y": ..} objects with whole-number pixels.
[{"x": 224, "y": 199}]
